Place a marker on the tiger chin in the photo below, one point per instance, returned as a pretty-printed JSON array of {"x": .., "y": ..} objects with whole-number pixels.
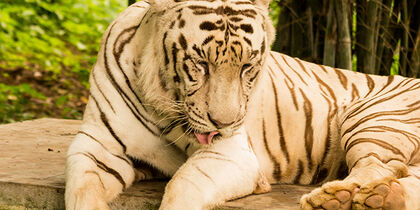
[{"x": 190, "y": 90}]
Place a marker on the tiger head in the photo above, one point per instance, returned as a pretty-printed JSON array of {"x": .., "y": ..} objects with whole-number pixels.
[{"x": 213, "y": 52}]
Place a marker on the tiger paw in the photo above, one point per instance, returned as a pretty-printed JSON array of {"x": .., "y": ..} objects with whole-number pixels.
[
  {"x": 385, "y": 194},
  {"x": 332, "y": 195}
]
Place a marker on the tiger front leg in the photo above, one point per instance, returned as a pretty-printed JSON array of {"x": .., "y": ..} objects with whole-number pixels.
[
  {"x": 94, "y": 175},
  {"x": 227, "y": 169}
]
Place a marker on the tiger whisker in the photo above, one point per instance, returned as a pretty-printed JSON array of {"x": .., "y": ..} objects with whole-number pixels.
[
  {"x": 168, "y": 126},
  {"x": 182, "y": 135}
]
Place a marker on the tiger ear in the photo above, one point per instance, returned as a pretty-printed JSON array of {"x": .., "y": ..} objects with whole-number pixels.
[
  {"x": 159, "y": 5},
  {"x": 264, "y": 3}
]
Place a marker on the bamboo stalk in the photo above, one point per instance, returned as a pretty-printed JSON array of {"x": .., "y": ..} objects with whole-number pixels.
[
  {"x": 283, "y": 30},
  {"x": 330, "y": 37},
  {"x": 344, "y": 56},
  {"x": 366, "y": 42},
  {"x": 404, "y": 39},
  {"x": 130, "y": 2},
  {"x": 310, "y": 35},
  {"x": 391, "y": 40},
  {"x": 298, "y": 39},
  {"x": 320, "y": 11},
  {"x": 384, "y": 33},
  {"x": 415, "y": 59},
  {"x": 413, "y": 53}
]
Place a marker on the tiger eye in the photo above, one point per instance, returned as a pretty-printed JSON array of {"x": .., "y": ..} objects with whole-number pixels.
[
  {"x": 205, "y": 66},
  {"x": 245, "y": 66}
]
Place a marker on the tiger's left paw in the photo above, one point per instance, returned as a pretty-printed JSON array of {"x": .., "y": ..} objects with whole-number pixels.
[
  {"x": 335, "y": 195},
  {"x": 385, "y": 194}
]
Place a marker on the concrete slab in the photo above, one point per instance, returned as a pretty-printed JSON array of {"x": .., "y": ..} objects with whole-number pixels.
[{"x": 32, "y": 161}]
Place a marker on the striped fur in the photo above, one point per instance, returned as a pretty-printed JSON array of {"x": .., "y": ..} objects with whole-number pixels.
[{"x": 168, "y": 69}]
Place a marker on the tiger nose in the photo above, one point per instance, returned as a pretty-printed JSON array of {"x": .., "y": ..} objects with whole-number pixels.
[{"x": 219, "y": 124}]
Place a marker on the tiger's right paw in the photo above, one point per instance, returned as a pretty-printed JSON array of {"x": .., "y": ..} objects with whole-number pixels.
[
  {"x": 86, "y": 195},
  {"x": 85, "y": 200},
  {"x": 335, "y": 195}
]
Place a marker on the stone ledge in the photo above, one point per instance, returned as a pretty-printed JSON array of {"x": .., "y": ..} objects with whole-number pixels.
[{"x": 32, "y": 156}]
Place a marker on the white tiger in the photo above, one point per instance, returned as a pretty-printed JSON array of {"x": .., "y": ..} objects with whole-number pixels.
[{"x": 191, "y": 90}]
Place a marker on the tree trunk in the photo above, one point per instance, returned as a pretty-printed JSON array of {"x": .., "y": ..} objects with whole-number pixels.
[
  {"x": 344, "y": 39},
  {"x": 283, "y": 29},
  {"x": 299, "y": 34},
  {"x": 330, "y": 37},
  {"x": 384, "y": 33},
  {"x": 404, "y": 39},
  {"x": 391, "y": 40},
  {"x": 366, "y": 26},
  {"x": 130, "y": 2},
  {"x": 415, "y": 59},
  {"x": 413, "y": 53}
]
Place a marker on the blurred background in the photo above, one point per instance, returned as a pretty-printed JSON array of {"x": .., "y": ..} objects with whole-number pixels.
[{"x": 47, "y": 47}]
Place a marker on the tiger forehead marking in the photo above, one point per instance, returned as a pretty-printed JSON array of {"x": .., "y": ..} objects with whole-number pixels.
[{"x": 220, "y": 32}]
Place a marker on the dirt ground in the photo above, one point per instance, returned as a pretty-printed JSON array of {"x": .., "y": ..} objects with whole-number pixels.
[{"x": 65, "y": 95}]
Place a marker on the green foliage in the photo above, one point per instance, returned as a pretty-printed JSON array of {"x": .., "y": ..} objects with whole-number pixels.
[
  {"x": 14, "y": 99},
  {"x": 60, "y": 37},
  {"x": 53, "y": 33}
]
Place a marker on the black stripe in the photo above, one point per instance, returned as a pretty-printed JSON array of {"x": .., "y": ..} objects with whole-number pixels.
[
  {"x": 279, "y": 124},
  {"x": 165, "y": 51},
  {"x": 235, "y": 19},
  {"x": 96, "y": 140},
  {"x": 204, "y": 173},
  {"x": 242, "y": 2},
  {"x": 377, "y": 142},
  {"x": 331, "y": 113},
  {"x": 247, "y": 28},
  {"x": 255, "y": 75},
  {"x": 379, "y": 114},
  {"x": 206, "y": 41},
  {"x": 319, "y": 176},
  {"x": 372, "y": 154},
  {"x": 234, "y": 51},
  {"x": 248, "y": 41},
  {"x": 276, "y": 165},
  {"x": 309, "y": 131},
  {"x": 208, "y": 26},
  {"x": 291, "y": 68},
  {"x": 107, "y": 169},
  {"x": 117, "y": 55},
  {"x": 354, "y": 92},
  {"x": 187, "y": 71},
  {"x": 342, "y": 78},
  {"x": 198, "y": 51},
  {"x": 299, "y": 173},
  {"x": 123, "y": 95},
  {"x": 105, "y": 121},
  {"x": 183, "y": 41},
  {"x": 359, "y": 109},
  {"x": 370, "y": 84},
  {"x": 263, "y": 47},
  {"x": 282, "y": 70},
  {"x": 176, "y": 78},
  {"x": 187, "y": 146},
  {"x": 102, "y": 93},
  {"x": 181, "y": 23},
  {"x": 193, "y": 92}
]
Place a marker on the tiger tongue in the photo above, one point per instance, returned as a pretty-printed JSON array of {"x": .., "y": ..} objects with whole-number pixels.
[{"x": 205, "y": 138}]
